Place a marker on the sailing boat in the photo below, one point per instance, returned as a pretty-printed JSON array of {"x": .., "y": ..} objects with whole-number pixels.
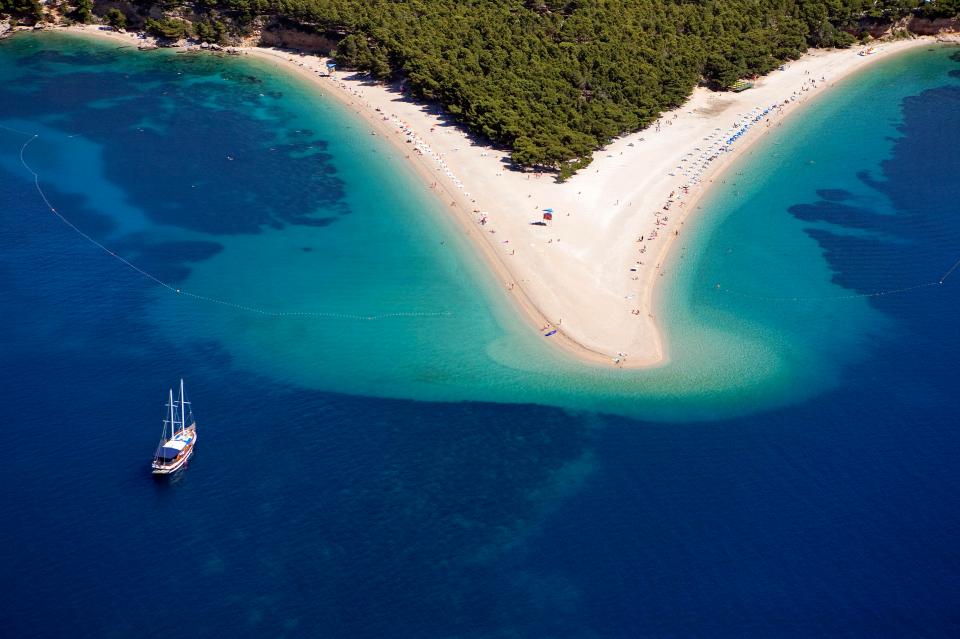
[{"x": 174, "y": 452}]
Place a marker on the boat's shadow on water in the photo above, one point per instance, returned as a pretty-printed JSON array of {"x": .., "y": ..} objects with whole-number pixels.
[{"x": 164, "y": 483}]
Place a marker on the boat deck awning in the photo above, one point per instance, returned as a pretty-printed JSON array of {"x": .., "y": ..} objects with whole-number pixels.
[
  {"x": 170, "y": 450},
  {"x": 167, "y": 454}
]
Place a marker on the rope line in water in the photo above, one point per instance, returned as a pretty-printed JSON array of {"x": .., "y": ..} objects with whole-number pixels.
[
  {"x": 351, "y": 316},
  {"x": 950, "y": 271},
  {"x": 196, "y": 296},
  {"x": 851, "y": 296}
]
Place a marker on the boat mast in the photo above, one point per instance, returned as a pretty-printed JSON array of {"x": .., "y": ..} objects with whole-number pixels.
[
  {"x": 183, "y": 404},
  {"x": 173, "y": 417},
  {"x": 183, "y": 409}
]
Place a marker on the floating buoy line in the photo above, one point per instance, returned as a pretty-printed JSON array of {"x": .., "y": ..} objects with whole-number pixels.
[
  {"x": 380, "y": 316},
  {"x": 851, "y": 296},
  {"x": 179, "y": 291}
]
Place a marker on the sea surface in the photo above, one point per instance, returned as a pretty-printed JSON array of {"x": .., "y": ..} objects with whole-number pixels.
[{"x": 387, "y": 450}]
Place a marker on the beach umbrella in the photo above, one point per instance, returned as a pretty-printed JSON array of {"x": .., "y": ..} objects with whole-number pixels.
[{"x": 548, "y": 215}]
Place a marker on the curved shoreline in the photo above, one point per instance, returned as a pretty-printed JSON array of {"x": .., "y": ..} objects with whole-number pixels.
[
  {"x": 348, "y": 92},
  {"x": 589, "y": 281},
  {"x": 750, "y": 143},
  {"x": 441, "y": 190},
  {"x": 287, "y": 62}
]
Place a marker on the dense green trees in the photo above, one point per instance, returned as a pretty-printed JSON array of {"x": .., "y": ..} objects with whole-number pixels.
[
  {"x": 116, "y": 18},
  {"x": 168, "y": 28},
  {"x": 551, "y": 79},
  {"x": 940, "y": 9},
  {"x": 30, "y": 10},
  {"x": 214, "y": 31},
  {"x": 356, "y": 51},
  {"x": 555, "y": 79},
  {"x": 83, "y": 11}
]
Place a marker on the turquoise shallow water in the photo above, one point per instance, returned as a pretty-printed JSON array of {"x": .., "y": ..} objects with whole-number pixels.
[
  {"x": 801, "y": 480},
  {"x": 325, "y": 220},
  {"x": 757, "y": 274},
  {"x": 721, "y": 349}
]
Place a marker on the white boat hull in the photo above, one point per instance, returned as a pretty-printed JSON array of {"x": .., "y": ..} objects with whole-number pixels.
[{"x": 159, "y": 468}]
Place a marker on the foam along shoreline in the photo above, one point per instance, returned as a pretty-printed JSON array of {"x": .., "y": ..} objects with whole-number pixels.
[{"x": 586, "y": 278}]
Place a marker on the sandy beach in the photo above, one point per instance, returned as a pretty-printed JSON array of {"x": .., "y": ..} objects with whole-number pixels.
[{"x": 585, "y": 278}]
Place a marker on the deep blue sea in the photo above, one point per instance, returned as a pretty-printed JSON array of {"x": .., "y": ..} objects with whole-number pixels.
[{"x": 438, "y": 471}]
